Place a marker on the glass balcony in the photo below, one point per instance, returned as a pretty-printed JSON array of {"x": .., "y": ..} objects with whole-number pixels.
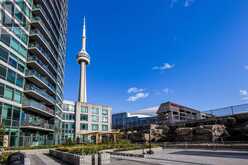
[
  {"x": 38, "y": 20},
  {"x": 34, "y": 32},
  {"x": 10, "y": 123},
  {"x": 40, "y": 125},
  {"x": 38, "y": 107},
  {"x": 38, "y": 8},
  {"x": 43, "y": 53},
  {"x": 44, "y": 81},
  {"x": 46, "y": 68},
  {"x": 37, "y": 93}
]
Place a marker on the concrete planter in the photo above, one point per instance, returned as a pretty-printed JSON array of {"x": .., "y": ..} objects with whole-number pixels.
[{"x": 74, "y": 159}]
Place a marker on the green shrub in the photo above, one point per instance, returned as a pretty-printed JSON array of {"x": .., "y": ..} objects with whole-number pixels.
[{"x": 4, "y": 156}]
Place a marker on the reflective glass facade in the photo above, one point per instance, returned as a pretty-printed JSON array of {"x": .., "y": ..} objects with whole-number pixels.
[{"x": 32, "y": 59}]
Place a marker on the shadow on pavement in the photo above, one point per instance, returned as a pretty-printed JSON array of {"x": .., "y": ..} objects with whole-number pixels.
[
  {"x": 178, "y": 161},
  {"x": 56, "y": 160},
  {"x": 213, "y": 154}
]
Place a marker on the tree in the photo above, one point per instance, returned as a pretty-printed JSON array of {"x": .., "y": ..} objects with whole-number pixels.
[{"x": 2, "y": 133}]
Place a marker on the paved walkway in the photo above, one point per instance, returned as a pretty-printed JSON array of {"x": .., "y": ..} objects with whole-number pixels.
[
  {"x": 190, "y": 157},
  {"x": 40, "y": 157},
  {"x": 164, "y": 157}
]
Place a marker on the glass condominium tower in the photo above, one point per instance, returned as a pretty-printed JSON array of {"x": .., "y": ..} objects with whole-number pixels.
[{"x": 32, "y": 59}]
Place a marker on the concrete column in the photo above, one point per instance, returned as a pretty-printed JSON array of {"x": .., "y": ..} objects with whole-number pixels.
[
  {"x": 97, "y": 138},
  {"x": 82, "y": 86},
  {"x": 115, "y": 138}
]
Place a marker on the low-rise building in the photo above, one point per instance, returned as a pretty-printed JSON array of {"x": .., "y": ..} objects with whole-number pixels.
[
  {"x": 86, "y": 122},
  {"x": 68, "y": 121},
  {"x": 168, "y": 113},
  {"x": 93, "y": 122},
  {"x": 171, "y": 113},
  {"x": 128, "y": 121}
]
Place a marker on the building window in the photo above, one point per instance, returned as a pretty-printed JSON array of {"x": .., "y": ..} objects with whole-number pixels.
[
  {"x": 6, "y": 114},
  {"x": 16, "y": 114},
  {"x": 21, "y": 68},
  {"x": 3, "y": 71},
  {"x": 19, "y": 80},
  {"x": 94, "y": 127},
  {"x": 104, "y": 119},
  {"x": 18, "y": 97},
  {"x": 84, "y": 109},
  {"x": 11, "y": 76},
  {"x": 105, "y": 112},
  {"x": 12, "y": 62},
  {"x": 8, "y": 93},
  {"x": 105, "y": 127},
  {"x": 83, "y": 117},
  {"x": 95, "y": 111},
  {"x": 95, "y": 118},
  {"x": 83, "y": 126},
  {"x": 1, "y": 90},
  {"x": 3, "y": 54},
  {"x": 5, "y": 37}
]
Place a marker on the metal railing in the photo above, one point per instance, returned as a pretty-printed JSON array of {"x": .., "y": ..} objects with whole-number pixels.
[
  {"x": 39, "y": 106},
  {"x": 42, "y": 78},
  {"x": 228, "y": 111},
  {"x": 33, "y": 123},
  {"x": 10, "y": 123},
  {"x": 39, "y": 7},
  {"x": 38, "y": 19},
  {"x": 27, "y": 141},
  {"x": 44, "y": 66},
  {"x": 34, "y": 32},
  {"x": 40, "y": 92},
  {"x": 40, "y": 48}
]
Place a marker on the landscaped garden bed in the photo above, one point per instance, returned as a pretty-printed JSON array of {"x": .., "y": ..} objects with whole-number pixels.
[
  {"x": 92, "y": 153},
  {"x": 86, "y": 149}
]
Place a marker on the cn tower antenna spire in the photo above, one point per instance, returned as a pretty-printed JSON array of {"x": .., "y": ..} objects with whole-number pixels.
[
  {"x": 83, "y": 60},
  {"x": 84, "y": 35}
]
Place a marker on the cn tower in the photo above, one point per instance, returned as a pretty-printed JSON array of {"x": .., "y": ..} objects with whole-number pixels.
[{"x": 83, "y": 59}]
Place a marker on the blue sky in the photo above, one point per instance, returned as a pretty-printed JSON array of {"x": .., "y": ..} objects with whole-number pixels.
[{"x": 144, "y": 52}]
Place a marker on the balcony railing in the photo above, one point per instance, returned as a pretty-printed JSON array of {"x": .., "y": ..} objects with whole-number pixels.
[
  {"x": 38, "y": 7},
  {"x": 10, "y": 123},
  {"x": 46, "y": 43},
  {"x": 40, "y": 21},
  {"x": 41, "y": 78},
  {"x": 41, "y": 49},
  {"x": 36, "y": 124},
  {"x": 37, "y": 105},
  {"x": 44, "y": 66},
  {"x": 40, "y": 92}
]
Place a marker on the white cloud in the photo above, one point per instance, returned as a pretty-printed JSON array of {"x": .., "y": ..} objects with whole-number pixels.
[
  {"x": 172, "y": 3},
  {"x": 185, "y": 3},
  {"x": 244, "y": 98},
  {"x": 246, "y": 67},
  {"x": 147, "y": 111},
  {"x": 166, "y": 90},
  {"x": 134, "y": 90},
  {"x": 188, "y": 3},
  {"x": 165, "y": 66},
  {"x": 138, "y": 96},
  {"x": 244, "y": 94}
]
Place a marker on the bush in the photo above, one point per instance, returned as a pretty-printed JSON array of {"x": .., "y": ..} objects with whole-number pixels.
[
  {"x": 4, "y": 156},
  {"x": 87, "y": 149}
]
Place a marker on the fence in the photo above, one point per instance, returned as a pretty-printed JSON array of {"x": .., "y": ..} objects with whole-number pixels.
[
  {"x": 233, "y": 145},
  {"x": 228, "y": 111},
  {"x": 25, "y": 141}
]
